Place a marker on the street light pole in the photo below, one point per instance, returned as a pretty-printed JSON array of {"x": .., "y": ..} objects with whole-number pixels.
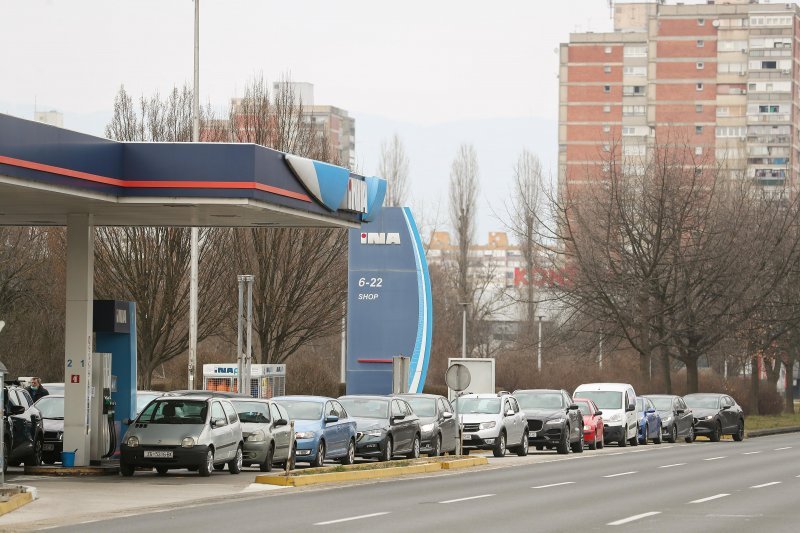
[
  {"x": 464, "y": 329},
  {"x": 539, "y": 349},
  {"x": 194, "y": 238}
]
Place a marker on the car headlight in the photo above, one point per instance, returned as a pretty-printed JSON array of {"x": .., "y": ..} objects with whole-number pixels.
[
  {"x": 487, "y": 425},
  {"x": 427, "y": 428},
  {"x": 257, "y": 436},
  {"x": 666, "y": 421},
  {"x": 373, "y": 433},
  {"x": 709, "y": 417},
  {"x": 616, "y": 418},
  {"x": 586, "y": 428},
  {"x": 132, "y": 442},
  {"x": 188, "y": 442},
  {"x": 558, "y": 420},
  {"x": 304, "y": 435}
]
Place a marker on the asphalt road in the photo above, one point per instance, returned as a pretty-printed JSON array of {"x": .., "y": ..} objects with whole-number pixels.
[{"x": 725, "y": 486}]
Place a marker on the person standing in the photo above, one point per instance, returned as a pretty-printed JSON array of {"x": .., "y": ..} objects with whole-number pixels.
[{"x": 35, "y": 389}]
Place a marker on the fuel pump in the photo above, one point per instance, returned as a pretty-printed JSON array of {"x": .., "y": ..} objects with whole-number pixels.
[{"x": 103, "y": 429}]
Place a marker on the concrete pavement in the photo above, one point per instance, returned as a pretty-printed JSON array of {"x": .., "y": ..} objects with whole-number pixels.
[{"x": 703, "y": 486}]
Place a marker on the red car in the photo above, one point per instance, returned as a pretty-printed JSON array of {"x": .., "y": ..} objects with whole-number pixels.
[{"x": 592, "y": 423}]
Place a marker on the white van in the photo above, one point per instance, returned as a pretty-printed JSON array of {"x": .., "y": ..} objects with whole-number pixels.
[{"x": 618, "y": 403}]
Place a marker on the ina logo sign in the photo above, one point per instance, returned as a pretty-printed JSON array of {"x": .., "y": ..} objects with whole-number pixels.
[{"x": 380, "y": 238}]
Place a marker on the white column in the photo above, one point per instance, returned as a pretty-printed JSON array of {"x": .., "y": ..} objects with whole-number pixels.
[{"x": 78, "y": 336}]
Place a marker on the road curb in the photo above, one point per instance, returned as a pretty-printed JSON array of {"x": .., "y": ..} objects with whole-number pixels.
[
  {"x": 772, "y": 431},
  {"x": 109, "y": 470},
  {"x": 15, "y": 501},
  {"x": 378, "y": 473}
]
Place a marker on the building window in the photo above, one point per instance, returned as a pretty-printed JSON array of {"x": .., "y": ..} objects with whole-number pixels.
[
  {"x": 698, "y": 108},
  {"x": 606, "y": 128},
  {"x": 698, "y": 150},
  {"x": 700, "y": 65},
  {"x": 698, "y": 130},
  {"x": 701, "y": 22},
  {"x": 606, "y": 147},
  {"x": 606, "y": 109},
  {"x": 700, "y": 43},
  {"x": 699, "y": 86},
  {"x": 607, "y": 69},
  {"x": 606, "y": 88},
  {"x": 607, "y": 49}
]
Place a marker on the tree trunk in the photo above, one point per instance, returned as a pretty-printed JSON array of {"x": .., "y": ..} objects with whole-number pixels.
[
  {"x": 644, "y": 368},
  {"x": 789, "y": 407},
  {"x": 665, "y": 369},
  {"x": 692, "y": 381},
  {"x": 755, "y": 380}
]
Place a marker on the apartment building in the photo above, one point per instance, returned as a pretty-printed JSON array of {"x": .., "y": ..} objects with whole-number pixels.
[{"x": 721, "y": 77}]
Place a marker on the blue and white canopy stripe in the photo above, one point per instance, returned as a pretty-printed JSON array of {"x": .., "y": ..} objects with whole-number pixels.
[{"x": 325, "y": 182}]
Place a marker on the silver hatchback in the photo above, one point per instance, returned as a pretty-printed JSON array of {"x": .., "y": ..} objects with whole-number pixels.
[{"x": 196, "y": 432}]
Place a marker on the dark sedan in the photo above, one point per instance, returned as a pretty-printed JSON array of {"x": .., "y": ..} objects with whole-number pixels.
[
  {"x": 677, "y": 420},
  {"x": 437, "y": 424},
  {"x": 24, "y": 432},
  {"x": 51, "y": 408},
  {"x": 554, "y": 421},
  {"x": 385, "y": 426},
  {"x": 716, "y": 415}
]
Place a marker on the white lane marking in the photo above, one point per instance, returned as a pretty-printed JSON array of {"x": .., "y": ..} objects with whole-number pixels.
[
  {"x": 615, "y": 453},
  {"x": 750, "y": 453},
  {"x": 632, "y": 518},
  {"x": 715, "y": 458},
  {"x": 715, "y": 497},
  {"x": 766, "y": 485},
  {"x": 553, "y": 485},
  {"x": 784, "y": 448},
  {"x": 621, "y": 474},
  {"x": 670, "y": 466},
  {"x": 350, "y": 518},
  {"x": 469, "y": 498}
]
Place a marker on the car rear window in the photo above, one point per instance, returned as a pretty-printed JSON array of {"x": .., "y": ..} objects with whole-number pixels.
[{"x": 175, "y": 412}]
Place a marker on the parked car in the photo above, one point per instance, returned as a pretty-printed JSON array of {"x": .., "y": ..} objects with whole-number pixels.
[
  {"x": 716, "y": 415},
  {"x": 592, "y": 423},
  {"x": 385, "y": 426},
  {"x": 24, "y": 431},
  {"x": 194, "y": 431},
  {"x": 491, "y": 422},
  {"x": 51, "y": 409},
  {"x": 267, "y": 434},
  {"x": 618, "y": 403},
  {"x": 553, "y": 420},
  {"x": 437, "y": 424},
  {"x": 323, "y": 429},
  {"x": 677, "y": 421},
  {"x": 143, "y": 397},
  {"x": 649, "y": 421}
]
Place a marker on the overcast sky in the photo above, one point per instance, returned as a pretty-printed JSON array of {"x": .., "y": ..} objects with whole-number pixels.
[{"x": 405, "y": 65}]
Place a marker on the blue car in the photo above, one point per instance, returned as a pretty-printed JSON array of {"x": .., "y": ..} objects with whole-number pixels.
[
  {"x": 649, "y": 421},
  {"x": 322, "y": 429}
]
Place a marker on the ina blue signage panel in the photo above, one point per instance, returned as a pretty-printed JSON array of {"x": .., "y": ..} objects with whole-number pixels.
[{"x": 389, "y": 308}]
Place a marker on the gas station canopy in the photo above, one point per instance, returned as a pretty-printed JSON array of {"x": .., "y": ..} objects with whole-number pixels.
[{"x": 48, "y": 172}]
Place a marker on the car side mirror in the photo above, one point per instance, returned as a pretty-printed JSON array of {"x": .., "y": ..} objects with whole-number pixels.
[
  {"x": 650, "y": 411},
  {"x": 217, "y": 422},
  {"x": 630, "y": 408},
  {"x": 447, "y": 415},
  {"x": 726, "y": 407},
  {"x": 16, "y": 410},
  {"x": 598, "y": 413},
  {"x": 331, "y": 418},
  {"x": 397, "y": 418},
  {"x": 281, "y": 422},
  {"x": 573, "y": 407},
  {"x": 510, "y": 412}
]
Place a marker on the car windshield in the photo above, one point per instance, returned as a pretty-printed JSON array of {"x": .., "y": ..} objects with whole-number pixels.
[
  {"x": 422, "y": 406},
  {"x": 583, "y": 407},
  {"x": 171, "y": 411},
  {"x": 478, "y": 406},
  {"x": 540, "y": 400},
  {"x": 366, "y": 407},
  {"x": 302, "y": 409},
  {"x": 51, "y": 407},
  {"x": 252, "y": 412},
  {"x": 702, "y": 402},
  {"x": 604, "y": 399},
  {"x": 662, "y": 404},
  {"x": 143, "y": 398}
]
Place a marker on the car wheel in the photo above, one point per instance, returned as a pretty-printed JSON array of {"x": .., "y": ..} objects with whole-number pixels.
[
  {"x": 522, "y": 451},
  {"x": 645, "y": 432},
  {"x": 436, "y": 449},
  {"x": 593, "y": 444},
  {"x": 716, "y": 435},
  {"x": 235, "y": 464},
  {"x": 690, "y": 437},
  {"x": 414, "y": 453},
  {"x": 739, "y": 435},
  {"x": 162, "y": 470},
  {"x": 207, "y": 466},
  {"x": 499, "y": 448},
  {"x": 563, "y": 443},
  {"x": 266, "y": 466},
  {"x": 126, "y": 469},
  {"x": 623, "y": 442},
  {"x": 657, "y": 439},
  {"x": 634, "y": 440},
  {"x": 673, "y": 434},
  {"x": 602, "y": 442},
  {"x": 350, "y": 458},
  {"x": 319, "y": 459},
  {"x": 577, "y": 447},
  {"x": 35, "y": 458},
  {"x": 386, "y": 454}
]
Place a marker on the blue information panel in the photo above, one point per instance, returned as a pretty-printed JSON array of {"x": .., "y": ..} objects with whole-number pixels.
[{"x": 389, "y": 309}]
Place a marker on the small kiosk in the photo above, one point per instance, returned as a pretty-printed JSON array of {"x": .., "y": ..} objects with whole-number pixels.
[{"x": 266, "y": 381}]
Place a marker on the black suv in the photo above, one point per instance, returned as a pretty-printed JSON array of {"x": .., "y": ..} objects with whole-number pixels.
[
  {"x": 24, "y": 432},
  {"x": 554, "y": 421}
]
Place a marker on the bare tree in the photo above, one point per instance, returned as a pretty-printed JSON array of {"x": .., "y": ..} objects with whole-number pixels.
[{"x": 393, "y": 167}]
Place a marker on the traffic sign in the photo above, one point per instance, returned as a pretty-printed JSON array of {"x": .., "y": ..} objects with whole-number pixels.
[{"x": 457, "y": 377}]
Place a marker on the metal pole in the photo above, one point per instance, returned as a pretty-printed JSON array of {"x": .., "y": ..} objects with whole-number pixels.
[
  {"x": 458, "y": 425},
  {"x": 539, "y": 349},
  {"x": 600, "y": 353},
  {"x": 464, "y": 332},
  {"x": 194, "y": 238},
  {"x": 239, "y": 325},
  {"x": 249, "y": 356},
  {"x": 343, "y": 363}
]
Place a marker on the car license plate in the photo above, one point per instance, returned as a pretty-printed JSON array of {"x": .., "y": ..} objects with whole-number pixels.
[
  {"x": 467, "y": 436},
  {"x": 534, "y": 434},
  {"x": 161, "y": 454},
  {"x": 48, "y": 447}
]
